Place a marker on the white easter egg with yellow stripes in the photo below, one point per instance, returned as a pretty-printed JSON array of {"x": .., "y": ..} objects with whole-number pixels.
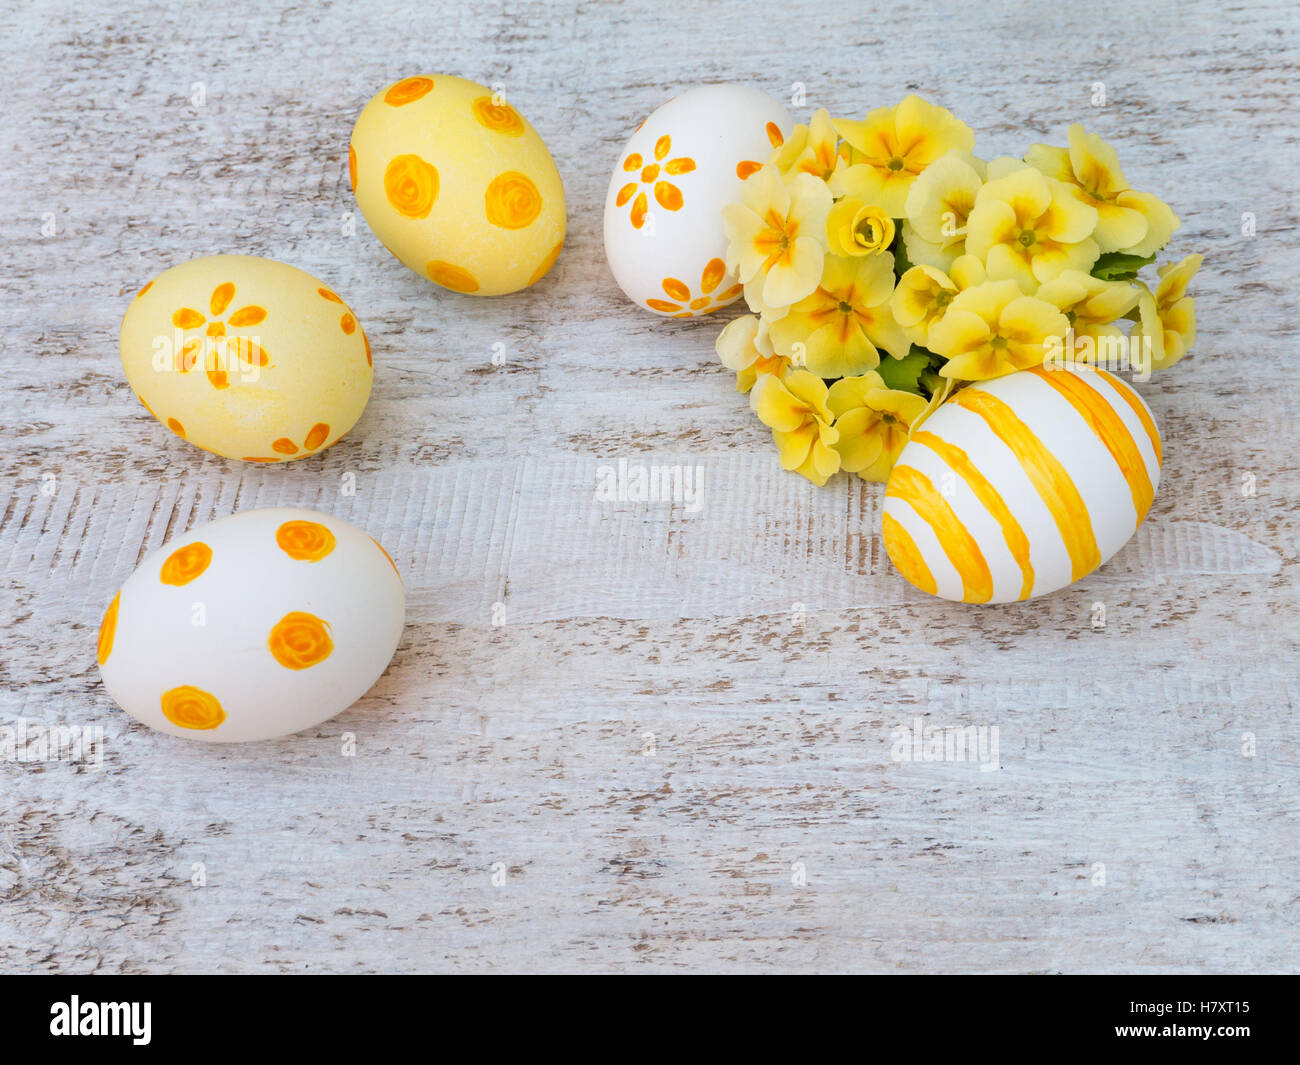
[{"x": 1020, "y": 486}]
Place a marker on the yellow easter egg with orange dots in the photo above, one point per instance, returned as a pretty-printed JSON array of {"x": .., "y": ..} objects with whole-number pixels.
[
  {"x": 458, "y": 185},
  {"x": 247, "y": 357}
]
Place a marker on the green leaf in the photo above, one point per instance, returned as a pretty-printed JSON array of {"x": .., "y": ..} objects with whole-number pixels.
[
  {"x": 901, "y": 262},
  {"x": 1116, "y": 266},
  {"x": 905, "y": 374}
]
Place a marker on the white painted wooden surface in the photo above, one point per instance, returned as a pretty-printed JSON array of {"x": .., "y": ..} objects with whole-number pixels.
[{"x": 525, "y": 743}]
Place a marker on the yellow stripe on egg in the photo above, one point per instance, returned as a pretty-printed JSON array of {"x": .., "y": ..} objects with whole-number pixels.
[
  {"x": 958, "y": 544},
  {"x": 1050, "y": 478}
]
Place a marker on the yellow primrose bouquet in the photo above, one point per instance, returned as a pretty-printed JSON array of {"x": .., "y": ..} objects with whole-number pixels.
[{"x": 887, "y": 266}]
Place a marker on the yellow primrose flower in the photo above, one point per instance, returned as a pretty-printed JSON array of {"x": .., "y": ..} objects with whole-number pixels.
[
  {"x": 1028, "y": 228},
  {"x": 811, "y": 149},
  {"x": 924, "y": 293},
  {"x": 1168, "y": 316},
  {"x": 894, "y": 145},
  {"x": 745, "y": 347},
  {"x": 794, "y": 408},
  {"x": 855, "y": 228},
  {"x": 1089, "y": 304},
  {"x": 992, "y": 329},
  {"x": 844, "y": 321},
  {"x": 1137, "y": 223},
  {"x": 938, "y": 206},
  {"x": 777, "y": 238},
  {"x": 873, "y": 422}
]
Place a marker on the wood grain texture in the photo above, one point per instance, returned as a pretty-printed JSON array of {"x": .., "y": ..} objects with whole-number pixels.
[{"x": 679, "y": 707}]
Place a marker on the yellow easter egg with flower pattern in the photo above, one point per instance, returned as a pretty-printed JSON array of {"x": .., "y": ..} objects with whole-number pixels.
[
  {"x": 247, "y": 357},
  {"x": 458, "y": 185}
]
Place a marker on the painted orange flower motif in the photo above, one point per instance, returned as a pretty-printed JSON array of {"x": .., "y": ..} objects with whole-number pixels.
[
  {"x": 411, "y": 185},
  {"x": 682, "y": 304},
  {"x": 499, "y": 118},
  {"x": 512, "y": 200},
  {"x": 316, "y": 436},
  {"x": 304, "y": 541},
  {"x": 108, "y": 629},
  {"x": 300, "y": 641},
  {"x": 189, "y": 707},
  {"x": 407, "y": 91},
  {"x": 747, "y": 168},
  {"x": 186, "y": 564},
  {"x": 451, "y": 276},
  {"x": 215, "y": 346},
  {"x": 652, "y": 176}
]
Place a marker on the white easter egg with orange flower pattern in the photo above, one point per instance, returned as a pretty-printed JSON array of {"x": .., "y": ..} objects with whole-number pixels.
[
  {"x": 458, "y": 185},
  {"x": 663, "y": 212},
  {"x": 247, "y": 357},
  {"x": 252, "y": 626}
]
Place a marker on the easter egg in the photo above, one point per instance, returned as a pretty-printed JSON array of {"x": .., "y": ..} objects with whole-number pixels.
[
  {"x": 458, "y": 185},
  {"x": 247, "y": 357},
  {"x": 664, "y": 237},
  {"x": 1019, "y": 486},
  {"x": 253, "y": 626}
]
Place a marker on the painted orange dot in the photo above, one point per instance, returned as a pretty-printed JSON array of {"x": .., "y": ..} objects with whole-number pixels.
[
  {"x": 107, "y": 630},
  {"x": 250, "y": 315},
  {"x": 300, "y": 641},
  {"x": 668, "y": 195},
  {"x": 333, "y": 297},
  {"x": 649, "y": 173},
  {"x": 677, "y": 289},
  {"x": 662, "y": 305},
  {"x": 774, "y": 135},
  {"x": 411, "y": 185},
  {"x": 366, "y": 340},
  {"x": 258, "y": 458},
  {"x": 176, "y": 427},
  {"x": 731, "y": 293},
  {"x": 700, "y": 301},
  {"x": 512, "y": 200},
  {"x": 451, "y": 276},
  {"x": 679, "y": 166},
  {"x": 187, "y": 318},
  {"x": 348, "y": 323},
  {"x": 147, "y": 287},
  {"x": 662, "y": 146},
  {"x": 186, "y": 564},
  {"x": 625, "y": 194},
  {"x": 284, "y": 446},
  {"x": 216, "y": 329},
  {"x": 304, "y": 541},
  {"x": 632, "y": 162},
  {"x": 547, "y": 263},
  {"x": 217, "y": 378},
  {"x": 714, "y": 271},
  {"x": 352, "y": 167},
  {"x": 316, "y": 436},
  {"x": 193, "y": 708},
  {"x": 221, "y": 297},
  {"x": 499, "y": 118},
  {"x": 747, "y": 168},
  {"x": 387, "y": 556},
  {"x": 639, "y": 208},
  {"x": 407, "y": 91}
]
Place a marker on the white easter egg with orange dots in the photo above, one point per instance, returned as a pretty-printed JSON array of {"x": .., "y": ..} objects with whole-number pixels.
[
  {"x": 247, "y": 357},
  {"x": 664, "y": 237},
  {"x": 1019, "y": 486},
  {"x": 253, "y": 626},
  {"x": 458, "y": 185}
]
